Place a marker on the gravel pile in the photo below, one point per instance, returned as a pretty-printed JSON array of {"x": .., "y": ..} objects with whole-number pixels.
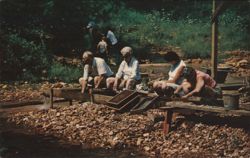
[{"x": 101, "y": 127}]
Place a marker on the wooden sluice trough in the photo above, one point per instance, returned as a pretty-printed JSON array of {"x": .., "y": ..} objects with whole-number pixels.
[
  {"x": 121, "y": 102},
  {"x": 168, "y": 106},
  {"x": 96, "y": 95}
]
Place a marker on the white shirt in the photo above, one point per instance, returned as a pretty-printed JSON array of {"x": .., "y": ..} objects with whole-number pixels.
[
  {"x": 173, "y": 70},
  {"x": 129, "y": 71},
  {"x": 98, "y": 65},
  {"x": 102, "y": 45},
  {"x": 111, "y": 37}
]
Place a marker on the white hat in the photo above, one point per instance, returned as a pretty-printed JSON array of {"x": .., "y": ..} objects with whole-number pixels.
[
  {"x": 126, "y": 50},
  {"x": 87, "y": 54}
]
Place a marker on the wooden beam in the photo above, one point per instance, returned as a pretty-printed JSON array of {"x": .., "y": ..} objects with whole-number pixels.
[
  {"x": 75, "y": 94},
  {"x": 214, "y": 51},
  {"x": 21, "y": 103},
  {"x": 51, "y": 97},
  {"x": 205, "y": 108}
]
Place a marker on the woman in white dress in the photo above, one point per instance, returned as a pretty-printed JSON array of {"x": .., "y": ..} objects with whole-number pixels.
[{"x": 165, "y": 87}]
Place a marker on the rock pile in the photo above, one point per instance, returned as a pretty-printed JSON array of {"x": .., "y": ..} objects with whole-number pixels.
[{"x": 102, "y": 127}]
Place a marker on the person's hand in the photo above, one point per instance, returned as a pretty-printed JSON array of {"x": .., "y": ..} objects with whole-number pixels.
[
  {"x": 176, "y": 95},
  {"x": 115, "y": 87},
  {"x": 82, "y": 91},
  {"x": 185, "y": 97}
]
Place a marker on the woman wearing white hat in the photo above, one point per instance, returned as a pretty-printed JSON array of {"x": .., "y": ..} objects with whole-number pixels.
[{"x": 128, "y": 74}]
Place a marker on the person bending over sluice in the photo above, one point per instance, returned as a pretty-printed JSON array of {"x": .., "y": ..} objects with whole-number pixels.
[{"x": 197, "y": 83}]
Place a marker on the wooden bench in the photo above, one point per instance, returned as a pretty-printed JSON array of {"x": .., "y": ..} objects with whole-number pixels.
[{"x": 177, "y": 106}]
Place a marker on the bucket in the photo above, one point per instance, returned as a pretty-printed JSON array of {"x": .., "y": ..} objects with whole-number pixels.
[{"x": 231, "y": 101}]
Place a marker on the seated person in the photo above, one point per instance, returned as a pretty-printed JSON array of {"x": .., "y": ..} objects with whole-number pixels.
[
  {"x": 164, "y": 87},
  {"x": 196, "y": 83},
  {"x": 92, "y": 64},
  {"x": 128, "y": 74}
]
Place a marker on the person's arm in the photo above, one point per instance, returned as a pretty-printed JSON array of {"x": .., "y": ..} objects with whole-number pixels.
[
  {"x": 199, "y": 84},
  {"x": 178, "y": 89},
  {"x": 85, "y": 77},
  {"x": 135, "y": 69},
  {"x": 120, "y": 71},
  {"x": 97, "y": 47},
  {"x": 177, "y": 76},
  {"x": 84, "y": 85},
  {"x": 100, "y": 78},
  {"x": 118, "y": 76},
  {"x": 106, "y": 49}
]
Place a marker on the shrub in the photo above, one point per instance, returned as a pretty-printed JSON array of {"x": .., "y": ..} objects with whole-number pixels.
[
  {"x": 59, "y": 72},
  {"x": 22, "y": 58},
  {"x": 192, "y": 35}
]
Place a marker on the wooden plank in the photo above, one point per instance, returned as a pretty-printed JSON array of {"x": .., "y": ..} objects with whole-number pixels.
[
  {"x": 181, "y": 105},
  {"x": 75, "y": 94},
  {"x": 51, "y": 97},
  {"x": 154, "y": 65},
  {"x": 21, "y": 103},
  {"x": 101, "y": 99},
  {"x": 231, "y": 86},
  {"x": 58, "y": 91}
]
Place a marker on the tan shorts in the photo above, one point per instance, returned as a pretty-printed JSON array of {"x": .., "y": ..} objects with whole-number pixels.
[{"x": 90, "y": 79}]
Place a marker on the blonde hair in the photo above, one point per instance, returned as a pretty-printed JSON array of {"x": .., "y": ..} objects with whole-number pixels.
[{"x": 87, "y": 54}]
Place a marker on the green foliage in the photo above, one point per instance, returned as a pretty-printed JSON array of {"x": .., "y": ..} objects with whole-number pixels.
[
  {"x": 192, "y": 35},
  {"x": 59, "y": 72},
  {"x": 22, "y": 58},
  {"x": 160, "y": 30}
]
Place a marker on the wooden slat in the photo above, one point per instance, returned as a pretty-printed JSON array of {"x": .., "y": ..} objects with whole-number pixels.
[
  {"x": 232, "y": 86},
  {"x": 75, "y": 94},
  {"x": 181, "y": 105},
  {"x": 21, "y": 103}
]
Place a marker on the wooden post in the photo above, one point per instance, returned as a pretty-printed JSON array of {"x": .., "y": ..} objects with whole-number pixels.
[
  {"x": 167, "y": 122},
  {"x": 91, "y": 95},
  {"x": 51, "y": 97},
  {"x": 70, "y": 102},
  {"x": 214, "y": 52}
]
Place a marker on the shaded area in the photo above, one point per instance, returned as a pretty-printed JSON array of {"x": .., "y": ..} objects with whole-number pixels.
[{"x": 22, "y": 143}]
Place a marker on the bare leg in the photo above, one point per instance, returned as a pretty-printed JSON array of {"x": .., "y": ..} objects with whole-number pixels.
[
  {"x": 110, "y": 82},
  {"x": 122, "y": 84},
  {"x": 130, "y": 84}
]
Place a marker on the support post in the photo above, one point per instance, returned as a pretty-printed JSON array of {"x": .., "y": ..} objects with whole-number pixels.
[
  {"x": 51, "y": 97},
  {"x": 91, "y": 95},
  {"x": 214, "y": 52},
  {"x": 167, "y": 122},
  {"x": 70, "y": 102}
]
